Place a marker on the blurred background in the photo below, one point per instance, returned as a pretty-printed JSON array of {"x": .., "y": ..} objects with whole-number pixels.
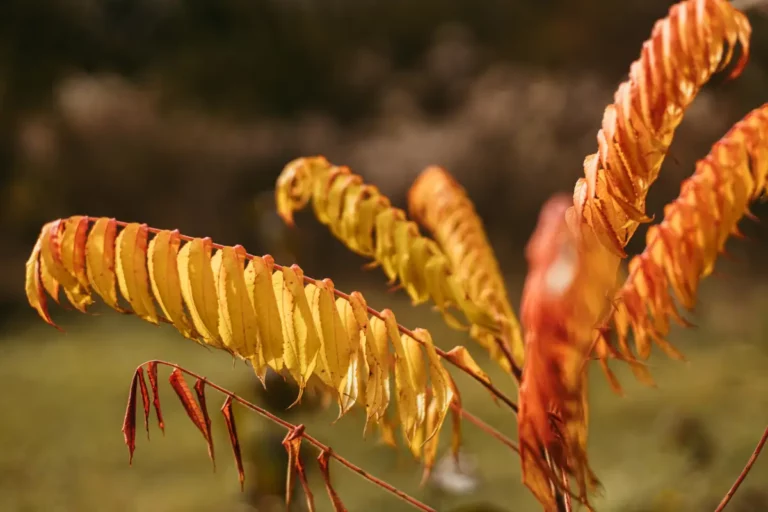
[{"x": 181, "y": 114}]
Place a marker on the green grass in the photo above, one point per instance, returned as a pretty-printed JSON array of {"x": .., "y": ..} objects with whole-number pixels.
[{"x": 64, "y": 397}]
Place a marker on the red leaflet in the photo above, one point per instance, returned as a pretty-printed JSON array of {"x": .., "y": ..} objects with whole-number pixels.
[
  {"x": 229, "y": 419},
  {"x": 200, "y": 390},
  {"x": 152, "y": 372},
  {"x": 292, "y": 443},
  {"x": 144, "y": 397},
  {"x": 190, "y": 406},
  {"x": 322, "y": 460},
  {"x": 129, "y": 423}
]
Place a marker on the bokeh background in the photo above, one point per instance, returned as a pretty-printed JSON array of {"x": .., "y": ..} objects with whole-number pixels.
[{"x": 181, "y": 114}]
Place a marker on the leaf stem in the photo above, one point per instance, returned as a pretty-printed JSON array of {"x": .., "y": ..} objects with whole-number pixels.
[
  {"x": 290, "y": 426},
  {"x": 743, "y": 474}
]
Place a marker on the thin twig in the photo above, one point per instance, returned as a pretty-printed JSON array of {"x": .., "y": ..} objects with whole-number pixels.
[
  {"x": 489, "y": 386},
  {"x": 743, "y": 474},
  {"x": 485, "y": 427},
  {"x": 290, "y": 426}
]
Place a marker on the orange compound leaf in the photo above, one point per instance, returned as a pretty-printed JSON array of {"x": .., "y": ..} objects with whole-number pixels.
[
  {"x": 191, "y": 406},
  {"x": 152, "y": 374},
  {"x": 322, "y": 461},
  {"x": 129, "y": 422},
  {"x": 695, "y": 40},
  {"x": 683, "y": 248},
  {"x": 234, "y": 440},
  {"x": 441, "y": 205},
  {"x": 563, "y": 296}
]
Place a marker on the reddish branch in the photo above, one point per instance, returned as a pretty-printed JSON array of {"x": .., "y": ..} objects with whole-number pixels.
[
  {"x": 299, "y": 431},
  {"x": 743, "y": 474}
]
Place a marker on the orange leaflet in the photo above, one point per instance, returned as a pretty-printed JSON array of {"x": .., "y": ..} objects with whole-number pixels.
[{"x": 563, "y": 298}]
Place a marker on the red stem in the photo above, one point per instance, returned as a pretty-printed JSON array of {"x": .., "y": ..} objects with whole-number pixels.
[
  {"x": 290, "y": 426},
  {"x": 743, "y": 474}
]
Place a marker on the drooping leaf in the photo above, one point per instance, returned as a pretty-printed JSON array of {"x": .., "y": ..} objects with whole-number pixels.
[
  {"x": 322, "y": 461},
  {"x": 234, "y": 440},
  {"x": 100, "y": 260},
  {"x": 200, "y": 392},
  {"x": 129, "y": 422},
  {"x": 162, "y": 257},
  {"x": 152, "y": 373},
  {"x": 292, "y": 444},
  {"x": 563, "y": 295},
  {"x": 199, "y": 289},
  {"x": 132, "y": 277},
  {"x": 191, "y": 407},
  {"x": 144, "y": 397}
]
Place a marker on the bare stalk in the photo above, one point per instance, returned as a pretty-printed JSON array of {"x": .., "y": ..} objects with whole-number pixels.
[{"x": 743, "y": 474}]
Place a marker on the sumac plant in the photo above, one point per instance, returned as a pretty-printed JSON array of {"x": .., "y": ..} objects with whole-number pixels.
[{"x": 575, "y": 312}]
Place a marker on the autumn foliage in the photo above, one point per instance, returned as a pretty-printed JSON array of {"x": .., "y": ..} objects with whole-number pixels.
[{"x": 574, "y": 310}]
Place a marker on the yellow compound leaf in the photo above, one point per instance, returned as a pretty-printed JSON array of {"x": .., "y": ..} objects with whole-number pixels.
[
  {"x": 162, "y": 257},
  {"x": 329, "y": 342},
  {"x": 131, "y": 267},
  {"x": 198, "y": 288},
  {"x": 442, "y": 206},
  {"x": 360, "y": 216},
  {"x": 302, "y": 342}
]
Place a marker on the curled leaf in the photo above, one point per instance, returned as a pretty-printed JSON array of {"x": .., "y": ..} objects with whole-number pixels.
[
  {"x": 234, "y": 440},
  {"x": 322, "y": 461}
]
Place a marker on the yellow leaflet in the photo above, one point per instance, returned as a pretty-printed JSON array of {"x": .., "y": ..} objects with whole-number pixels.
[
  {"x": 162, "y": 256},
  {"x": 337, "y": 347},
  {"x": 199, "y": 289},
  {"x": 368, "y": 209},
  {"x": 433, "y": 424},
  {"x": 51, "y": 255},
  {"x": 73, "y": 257},
  {"x": 442, "y": 393},
  {"x": 375, "y": 350},
  {"x": 100, "y": 260},
  {"x": 461, "y": 356},
  {"x": 33, "y": 286},
  {"x": 354, "y": 381},
  {"x": 411, "y": 405},
  {"x": 301, "y": 349},
  {"x": 237, "y": 319},
  {"x": 335, "y": 191},
  {"x": 258, "y": 280},
  {"x": 406, "y": 233},
  {"x": 50, "y": 284},
  {"x": 132, "y": 276},
  {"x": 385, "y": 244},
  {"x": 418, "y": 371}
]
